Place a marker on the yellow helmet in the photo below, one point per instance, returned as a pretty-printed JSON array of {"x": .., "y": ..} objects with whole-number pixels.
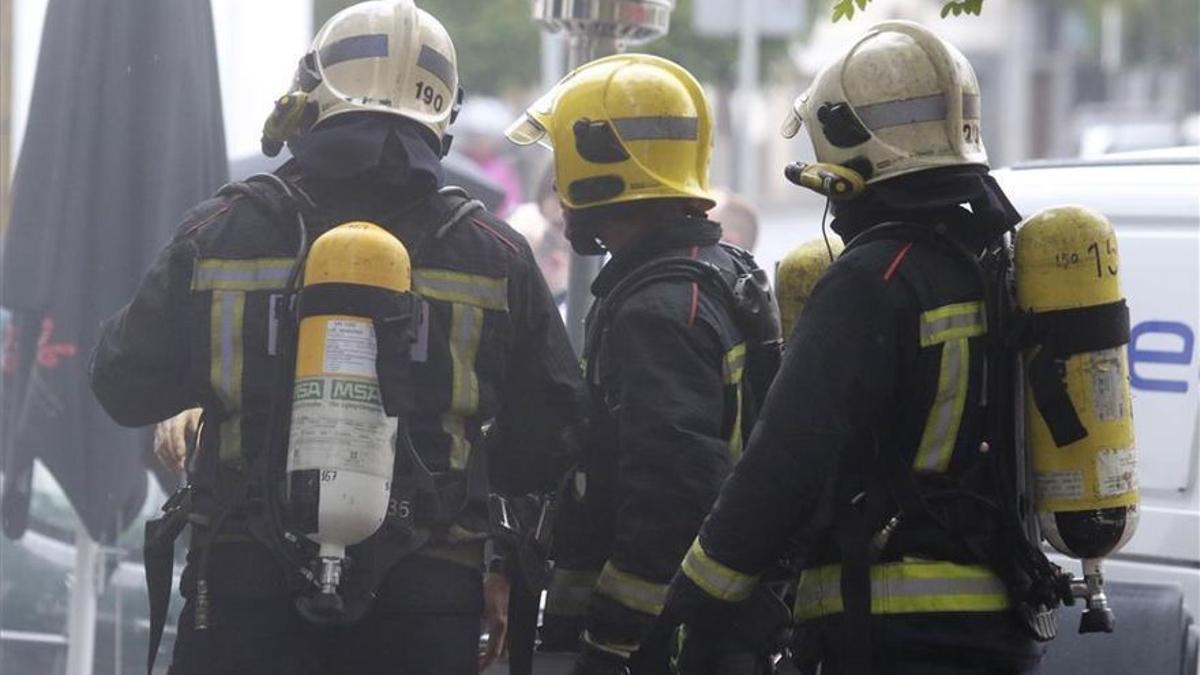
[{"x": 624, "y": 128}]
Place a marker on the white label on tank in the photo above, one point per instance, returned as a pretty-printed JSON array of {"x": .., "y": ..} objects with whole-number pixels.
[
  {"x": 1060, "y": 484},
  {"x": 1108, "y": 391},
  {"x": 1116, "y": 471},
  {"x": 339, "y": 424},
  {"x": 349, "y": 348}
]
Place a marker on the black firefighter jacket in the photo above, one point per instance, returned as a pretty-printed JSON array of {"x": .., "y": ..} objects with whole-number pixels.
[
  {"x": 882, "y": 373},
  {"x": 490, "y": 346},
  {"x": 664, "y": 373}
]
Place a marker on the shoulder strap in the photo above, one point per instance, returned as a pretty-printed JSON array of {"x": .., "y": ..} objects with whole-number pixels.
[{"x": 659, "y": 269}]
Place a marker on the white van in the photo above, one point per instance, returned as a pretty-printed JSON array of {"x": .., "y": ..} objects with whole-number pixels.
[{"x": 1153, "y": 200}]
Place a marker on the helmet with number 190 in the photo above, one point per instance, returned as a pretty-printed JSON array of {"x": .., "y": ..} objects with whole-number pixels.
[
  {"x": 900, "y": 100},
  {"x": 386, "y": 56}
]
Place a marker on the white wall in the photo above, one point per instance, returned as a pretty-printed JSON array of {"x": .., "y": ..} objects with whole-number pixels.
[{"x": 258, "y": 45}]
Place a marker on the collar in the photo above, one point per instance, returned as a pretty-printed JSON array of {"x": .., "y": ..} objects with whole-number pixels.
[
  {"x": 371, "y": 148},
  {"x": 932, "y": 197},
  {"x": 681, "y": 232}
]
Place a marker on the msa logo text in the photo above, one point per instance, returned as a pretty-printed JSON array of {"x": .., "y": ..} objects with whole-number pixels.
[
  {"x": 359, "y": 392},
  {"x": 306, "y": 390}
]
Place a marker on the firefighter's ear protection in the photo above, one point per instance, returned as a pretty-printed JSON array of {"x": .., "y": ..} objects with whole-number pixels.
[
  {"x": 841, "y": 126},
  {"x": 836, "y": 182}
]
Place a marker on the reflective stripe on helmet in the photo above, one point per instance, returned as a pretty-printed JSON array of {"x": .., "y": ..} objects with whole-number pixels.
[
  {"x": 631, "y": 591},
  {"x": 721, "y": 582},
  {"x": 660, "y": 128},
  {"x": 950, "y": 326},
  {"x": 912, "y": 111},
  {"x": 438, "y": 65},
  {"x": 905, "y": 588},
  {"x": 354, "y": 47}
]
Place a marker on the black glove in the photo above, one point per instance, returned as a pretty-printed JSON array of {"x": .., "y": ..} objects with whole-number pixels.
[
  {"x": 761, "y": 623},
  {"x": 592, "y": 661}
]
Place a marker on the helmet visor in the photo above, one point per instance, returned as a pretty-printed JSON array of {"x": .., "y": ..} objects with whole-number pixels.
[
  {"x": 793, "y": 122},
  {"x": 527, "y": 131}
]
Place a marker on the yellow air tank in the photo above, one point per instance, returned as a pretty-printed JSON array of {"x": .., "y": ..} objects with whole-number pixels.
[
  {"x": 797, "y": 274},
  {"x": 1079, "y": 415},
  {"x": 341, "y": 445}
]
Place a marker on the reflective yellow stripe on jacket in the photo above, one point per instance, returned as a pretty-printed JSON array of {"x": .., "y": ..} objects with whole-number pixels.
[
  {"x": 721, "y": 582},
  {"x": 908, "y": 587},
  {"x": 230, "y": 280},
  {"x": 733, "y": 369},
  {"x": 469, "y": 295},
  {"x": 569, "y": 591},
  {"x": 632, "y": 591},
  {"x": 951, "y": 326}
]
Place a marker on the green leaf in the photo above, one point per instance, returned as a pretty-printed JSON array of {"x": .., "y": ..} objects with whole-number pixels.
[
  {"x": 843, "y": 9},
  {"x": 958, "y": 10},
  {"x": 946, "y": 9},
  {"x": 862, "y": 4}
]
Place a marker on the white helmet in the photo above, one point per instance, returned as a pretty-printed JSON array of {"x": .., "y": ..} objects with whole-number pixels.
[
  {"x": 900, "y": 100},
  {"x": 384, "y": 56}
]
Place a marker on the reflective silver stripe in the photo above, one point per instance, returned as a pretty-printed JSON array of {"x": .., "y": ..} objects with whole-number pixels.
[
  {"x": 355, "y": 47},
  {"x": 971, "y": 106},
  {"x": 632, "y": 591},
  {"x": 905, "y": 111},
  {"x": 227, "y": 362},
  {"x": 913, "y": 111},
  {"x": 945, "y": 415},
  {"x": 570, "y": 591},
  {"x": 657, "y": 128},
  {"x": 257, "y": 274},
  {"x": 719, "y": 581},
  {"x": 469, "y": 289},
  {"x": 905, "y": 588},
  {"x": 438, "y": 65},
  {"x": 466, "y": 328},
  {"x": 948, "y": 322}
]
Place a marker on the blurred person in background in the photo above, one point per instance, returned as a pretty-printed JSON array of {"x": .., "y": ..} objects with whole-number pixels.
[
  {"x": 479, "y": 134},
  {"x": 490, "y": 349},
  {"x": 738, "y": 219}
]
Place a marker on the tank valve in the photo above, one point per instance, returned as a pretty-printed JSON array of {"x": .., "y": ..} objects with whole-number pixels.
[{"x": 1097, "y": 616}]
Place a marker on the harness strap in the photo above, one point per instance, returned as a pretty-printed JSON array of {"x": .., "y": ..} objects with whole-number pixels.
[{"x": 1059, "y": 335}]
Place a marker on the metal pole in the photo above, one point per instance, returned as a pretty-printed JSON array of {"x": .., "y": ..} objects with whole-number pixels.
[
  {"x": 583, "y": 269},
  {"x": 746, "y": 180},
  {"x": 6, "y": 67},
  {"x": 81, "y": 620}
]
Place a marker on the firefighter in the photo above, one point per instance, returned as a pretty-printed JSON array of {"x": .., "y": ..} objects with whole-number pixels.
[
  {"x": 496, "y": 384},
  {"x": 671, "y": 351},
  {"x": 880, "y": 464}
]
